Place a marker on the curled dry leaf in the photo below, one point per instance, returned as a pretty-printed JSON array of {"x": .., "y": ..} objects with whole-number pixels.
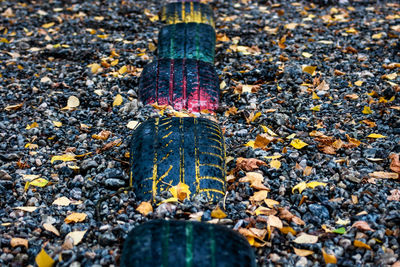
[
  {"x": 274, "y": 221},
  {"x": 284, "y": 214},
  {"x": 62, "y": 201},
  {"x": 271, "y": 203},
  {"x": 360, "y": 244},
  {"x": 304, "y": 238},
  {"x": 75, "y": 217},
  {"x": 362, "y": 225},
  {"x": 103, "y": 135},
  {"x": 329, "y": 258},
  {"x": 255, "y": 179},
  {"x": 395, "y": 162},
  {"x": 76, "y": 236},
  {"x": 302, "y": 252},
  {"x": 265, "y": 211},
  {"x": 384, "y": 175},
  {"x": 395, "y": 195},
  {"x": 259, "y": 196},
  {"x": 16, "y": 241},
  {"x": 27, "y": 209},
  {"x": 249, "y": 164},
  {"x": 145, "y": 208},
  {"x": 180, "y": 191},
  {"x": 218, "y": 213},
  {"x": 49, "y": 227}
]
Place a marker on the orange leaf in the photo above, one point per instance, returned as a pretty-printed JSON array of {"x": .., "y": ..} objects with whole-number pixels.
[
  {"x": 75, "y": 217},
  {"x": 180, "y": 191},
  {"x": 218, "y": 213},
  {"x": 145, "y": 208},
  {"x": 249, "y": 164},
  {"x": 16, "y": 241},
  {"x": 395, "y": 163},
  {"x": 359, "y": 244},
  {"x": 302, "y": 252},
  {"x": 329, "y": 258},
  {"x": 259, "y": 196}
]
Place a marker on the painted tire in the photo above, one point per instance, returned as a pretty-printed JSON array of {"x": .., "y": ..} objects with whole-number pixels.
[
  {"x": 185, "y": 12},
  {"x": 169, "y": 150},
  {"x": 185, "y": 243},
  {"x": 187, "y": 40},
  {"x": 181, "y": 83}
]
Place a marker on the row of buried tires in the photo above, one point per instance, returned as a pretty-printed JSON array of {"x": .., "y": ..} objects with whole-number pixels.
[{"x": 166, "y": 151}]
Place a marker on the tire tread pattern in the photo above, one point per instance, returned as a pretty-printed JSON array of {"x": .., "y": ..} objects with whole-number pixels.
[{"x": 185, "y": 12}]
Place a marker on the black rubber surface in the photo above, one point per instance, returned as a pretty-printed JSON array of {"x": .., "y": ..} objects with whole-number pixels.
[
  {"x": 184, "y": 12},
  {"x": 185, "y": 243},
  {"x": 187, "y": 40},
  {"x": 169, "y": 150},
  {"x": 181, "y": 83}
]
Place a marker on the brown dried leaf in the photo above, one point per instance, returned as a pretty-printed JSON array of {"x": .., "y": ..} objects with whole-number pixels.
[
  {"x": 362, "y": 225},
  {"x": 103, "y": 135},
  {"x": 75, "y": 217},
  {"x": 259, "y": 196},
  {"x": 16, "y": 241},
  {"x": 395, "y": 163},
  {"x": 249, "y": 164},
  {"x": 302, "y": 252},
  {"x": 145, "y": 208},
  {"x": 384, "y": 175},
  {"x": 274, "y": 221},
  {"x": 285, "y": 214},
  {"x": 395, "y": 195},
  {"x": 329, "y": 258}
]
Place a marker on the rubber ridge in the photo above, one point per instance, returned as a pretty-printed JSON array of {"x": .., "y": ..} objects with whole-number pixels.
[{"x": 185, "y": 12}]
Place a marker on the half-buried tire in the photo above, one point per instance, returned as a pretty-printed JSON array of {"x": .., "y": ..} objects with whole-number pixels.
[
  {"x": 181, "y": 83},
  {"x": 185, "y": 243},
  {"x": 187, "y": 40},
  {"x": 169, "y": 150},
  {"x": 185, "y": 12}
]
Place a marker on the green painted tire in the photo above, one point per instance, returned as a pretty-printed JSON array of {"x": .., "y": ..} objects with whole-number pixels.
[
  {"x": 169, "y": 150},
  {"x": 185, "y": 243}
]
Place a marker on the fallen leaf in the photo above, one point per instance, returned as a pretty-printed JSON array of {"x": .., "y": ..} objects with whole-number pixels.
[
  {"x": 384, "y": 175},
  {"x": 298, "y": 144},
  {"x": 218, "y": 213},
  {"x": 376, "y": 136},
  {"x": 259, "y": 196},
  {"x": 14, "y": 107},
  {"x": 103, "y": 135},
  {"x": 340, "y": 230},
  {"x": 65, "y": 158},
  {"x": 145, "y": 208},
  {"x": 287, "y": 229},
  {"x": 362, "y": 225},
  {"x": 28, "y": 209},
  {"x": 29, "y": 177},
  {"x": 48, "y": 25},
  {"x": 31, "y": 126},
  {"x": 395, "y": 162},
  {"x": 275, "y": 164},
  {"x": 390, "y": 76},
  {"x": 309, "y": 69},
  {"x": 264, "y": 211},
  {"x": 122, "y": 70},
  {"x": 329, "y": 258},
  {"x": 367, "y": 110},
  {"x": 302, "y": 252},
  {"x": 316, "y": 108},
  {"x": 271, "y": 203},
  {"x": 249, "y": 164},
  {"x": 132, "y": 124},
  {"x": 76, "y": 236},
  {"x": 268, "y": 131},
  {"x": 287, "y": 215},
  {"x": 255, "y": 179},
  {"x": 315, "y": 96},
  {"x": 262, "y": 141},
  {"x": 16, "y": 241},
  {"x": 73, "y": 102},
  {"x": 304, "y": 238},
  {"x": 300, "y": 187},
  {"x": 180, "y": 191},
  {"x": 314, "y": 184},
  {"x": 395, "y": 195},
  {"x": 75, "y": 217},
  {"x": 117, "y": 100},
  {"x": 95, "y": 68},
  {"x": 274, "y": 221},
  {"x": 360, "y": 244},
  {"x": 57, "y": 123},
  {"x": 343, "y": 222},
  {"x": 62, "y": 201},
  {"x": 306, "y": 55},
  {"x": 43, "y": 259},
  {"x": 307, "y": 171},
  {"x": 49, "y": 227},
  {"x": 40, "y": 182}
]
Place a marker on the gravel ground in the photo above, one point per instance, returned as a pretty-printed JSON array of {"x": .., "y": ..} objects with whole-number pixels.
[{"x": 291, "y": 73}]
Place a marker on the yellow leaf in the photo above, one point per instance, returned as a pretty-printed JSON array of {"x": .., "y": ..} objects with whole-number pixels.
[
  {"x": 122, "y": 70},
  {"x": 291, "y": 26},
  {"x": 218, "y": 213},
  {"x": 367, "y": 110},
  {"x": 43, "y": 259},
  {"x": 259, "y": 196},
  {"x": 306, "y": 55},
  {"x": 298, "y": 144},
  {"x": 118, "y": 100},
  {"x": 351, "y": 30},
  {"x": 170, "y": 200},
  {"x": 258, "y": 114},
  {"x": 314, "y": 96},
  {"x": 57, "y": 123},
  {"x": 359, "y": 244},
  {"x": 94, "y": 67},
  {"x": 304, "y": 238},
  {"x": 62, "y": 201},
  {"x": 377, "y": 36},
  {"x": 343, "y": 222},
  {"x": 145, "y": 208},
  {"x": 76, "y": 236},
  {"x": 268, "y": 130},
  {"x": 287, "y": 229},
  {"x": 276, "y": 164},
  {"x": 31, "y": 126},
  {"x": 27, "y": 209},
  {"x": 180, "y": 191},
  {"x": 73, "y": 102},
  {"x": 132, "y": 124},
  {"x": 114, "y": 62},
  {"x": 316, "y": 108},
  {"x": 329, "y": 258},
  {"x": 300, "y": 187},
  {"x": 102, "y": 36},
  {"x": 390, "y": 76},
  {"x": 48, "y": 25},
  {"x": 264, "y": 211},
  {"x": 302, "y": 252},
  {"x": 359, "y": 83},
  {"x": 16, "y": 241},
  {"x": 273, "y": 157},
  {"x": 40, "y": 182},
  {"x": 315, "y": 184},
  {"x": 65, "y": 158},
  {"x": 376, "y": 136},
  {"x": 250, "y": 144},
  {"x": 222, "y": 85},
  {"x": 309, "y": 69},
  {"x": 291, "y": 136},
  {"x": 75, "y": 217}
]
